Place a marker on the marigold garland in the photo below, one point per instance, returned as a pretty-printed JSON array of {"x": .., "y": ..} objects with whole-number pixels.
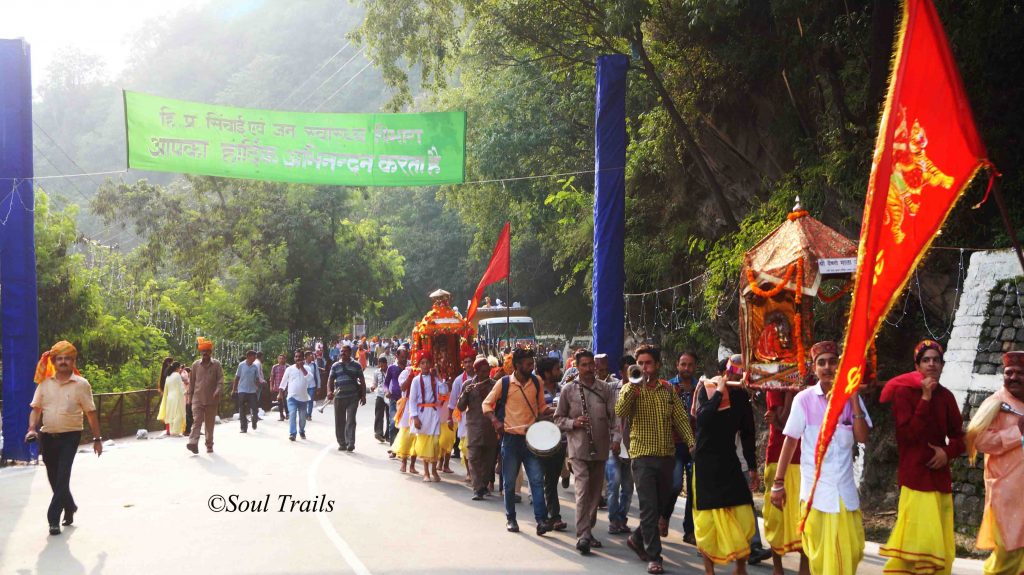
[
  {"x": 752, "y": 280},
  {"x": 798, "y": 320},
  {"x": 796, "y": 215},
  {"x": 797, "y": 268},
  {"x": 873, "y": 373}
]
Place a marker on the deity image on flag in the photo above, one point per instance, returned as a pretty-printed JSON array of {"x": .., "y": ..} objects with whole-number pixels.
[
  {"x": 912, "y": 171},
  {"x": 927, "y": 152}
]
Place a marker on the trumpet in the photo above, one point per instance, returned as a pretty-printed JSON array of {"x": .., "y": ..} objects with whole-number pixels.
[
  {"x": 1007, "y": 408},
  {"x": 323, "y": 405},
  {"x": 636, "y": 375}
]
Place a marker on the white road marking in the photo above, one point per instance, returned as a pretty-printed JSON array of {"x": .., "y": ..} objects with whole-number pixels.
[{"x": 332, "y": 534}]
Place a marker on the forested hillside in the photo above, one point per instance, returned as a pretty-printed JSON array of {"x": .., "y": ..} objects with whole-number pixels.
[{"x": 735, "y": 109}]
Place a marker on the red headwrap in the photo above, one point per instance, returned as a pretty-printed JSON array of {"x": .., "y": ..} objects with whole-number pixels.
[
  {"x": 735, "y": 364},
  {"x": 1014, "y": 359},
  {"x": 824, "y": 347},
  {"x": 466, "y": 351},
  {"x": 203, "y": 344},
  {"x": 924, "y": 346},
  {"x": 45, "y": 368}
]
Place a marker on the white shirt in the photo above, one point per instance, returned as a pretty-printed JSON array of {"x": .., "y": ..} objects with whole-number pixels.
[
  {"x": 295, "y": 384},
  {"x": 315, "y": 371},
  {"x": 404, "y": 421},
  {"x": 836, "y": 482},
  {"x": 422, "y": 392},
  {"x": 378, "y": 382},
  {"x": 454, "y": 399},
  {"x": 259, "y": 374}
]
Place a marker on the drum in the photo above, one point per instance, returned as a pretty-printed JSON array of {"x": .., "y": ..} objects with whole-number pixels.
[{"x": 543, "y": 438}]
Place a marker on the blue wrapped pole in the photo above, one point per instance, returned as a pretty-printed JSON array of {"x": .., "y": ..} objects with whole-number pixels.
[
  {"x": 610, "y": 207},
  {"x": 17, "y": 246}
]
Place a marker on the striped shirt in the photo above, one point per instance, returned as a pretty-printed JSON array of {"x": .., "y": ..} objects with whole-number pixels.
[{"x": 653, "y": 414}]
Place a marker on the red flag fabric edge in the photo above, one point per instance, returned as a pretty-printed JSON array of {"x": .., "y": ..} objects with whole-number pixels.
[
  {"x": 497, "y": 270},
  {"x": 915, "y": 13}
]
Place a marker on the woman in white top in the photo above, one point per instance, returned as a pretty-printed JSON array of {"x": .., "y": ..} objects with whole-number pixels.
[
  {"x": 425, "y": 416},
  {"x": 172, "y": 405},
  {"x": 833, "y": 537}
]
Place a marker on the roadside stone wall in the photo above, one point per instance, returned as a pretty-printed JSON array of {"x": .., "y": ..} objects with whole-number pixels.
[
  {"x": 971, "y": 350},
  {"x": 969, "y": 482}
]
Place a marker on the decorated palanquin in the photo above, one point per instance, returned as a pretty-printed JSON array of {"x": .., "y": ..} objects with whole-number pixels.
[
  {"x": 444, "y": 334},
  {"x": 779, "y": 280}
]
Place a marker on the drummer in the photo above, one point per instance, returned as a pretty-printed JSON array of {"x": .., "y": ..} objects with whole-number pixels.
[
  {"x": 550, "y": 372},
  {"x": 515, "y": 403},
  {"x": 586, "y": 412}
]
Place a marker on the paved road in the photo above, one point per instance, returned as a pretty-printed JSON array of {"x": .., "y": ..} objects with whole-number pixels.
[{"x": 143, "y": 508}]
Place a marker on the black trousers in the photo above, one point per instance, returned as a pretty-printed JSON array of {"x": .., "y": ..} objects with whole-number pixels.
[
  {"x": 189, "y": 418},
  {"x": 552, "y": 466},
  {"x": 652, "y": 477},
  {"x": 248, "y": 402},
  {"x": 380, "y": 414},
  {"x": 345, "y": 419},
  {"x": 58, "y": 451}
]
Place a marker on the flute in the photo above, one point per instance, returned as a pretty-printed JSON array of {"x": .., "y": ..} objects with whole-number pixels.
[{"x": 586, "y": 413}]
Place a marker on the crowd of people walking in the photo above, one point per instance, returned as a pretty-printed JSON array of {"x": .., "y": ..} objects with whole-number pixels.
[{"x": 690, "y": 435}]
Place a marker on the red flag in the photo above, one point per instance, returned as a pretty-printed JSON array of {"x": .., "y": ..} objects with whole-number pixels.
[
  {"x": 497, "y": 270},
  {"x": 926, "y": 154}
]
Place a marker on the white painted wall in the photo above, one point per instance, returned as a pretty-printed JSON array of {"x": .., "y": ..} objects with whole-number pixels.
[{"x": 985, "y": 269}]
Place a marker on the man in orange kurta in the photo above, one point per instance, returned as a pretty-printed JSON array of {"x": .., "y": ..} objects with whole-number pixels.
[{"x": 1001, "y": 439}]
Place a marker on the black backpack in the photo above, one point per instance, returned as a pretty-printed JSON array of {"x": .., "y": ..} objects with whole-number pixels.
[{"x": 499, "y": 407}]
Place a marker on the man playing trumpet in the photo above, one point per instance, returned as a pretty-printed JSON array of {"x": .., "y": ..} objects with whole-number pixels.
[{"x": 654, "y": 410}]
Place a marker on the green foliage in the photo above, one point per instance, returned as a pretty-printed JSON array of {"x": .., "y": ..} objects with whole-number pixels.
[{"x": 266, "y": 256}]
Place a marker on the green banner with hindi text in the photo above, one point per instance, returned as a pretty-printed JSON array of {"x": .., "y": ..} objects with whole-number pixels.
[{"x": 168, "y": 135}]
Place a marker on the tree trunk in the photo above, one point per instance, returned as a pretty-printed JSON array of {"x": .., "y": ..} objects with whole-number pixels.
[{"x": 684, "y": 132}]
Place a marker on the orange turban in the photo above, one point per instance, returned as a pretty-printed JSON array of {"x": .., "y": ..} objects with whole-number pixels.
[
  {"x": 45, "y": 368},
  {"x": 203, "y": 344}
]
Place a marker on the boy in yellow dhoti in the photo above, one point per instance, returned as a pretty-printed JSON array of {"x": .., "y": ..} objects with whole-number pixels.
[
  {"x": 997, "y": 430},
  {"x": 425, "y": 417},
  {"x": 833, "y": 537},
  {"x": 723, "y": 518},
  {"x": 929, "y": 434},
  {"x": 781, "y": 526}
]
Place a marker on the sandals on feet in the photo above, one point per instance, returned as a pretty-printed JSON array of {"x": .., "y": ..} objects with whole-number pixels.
[
  {"x": 655, "y": 567},
  {"x": 637, "y": 549}
]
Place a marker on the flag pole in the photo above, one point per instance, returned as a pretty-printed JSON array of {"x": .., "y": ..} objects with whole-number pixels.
[
  {"x": 508, "y": 300},
  {"x": 1006, "y": 222}
]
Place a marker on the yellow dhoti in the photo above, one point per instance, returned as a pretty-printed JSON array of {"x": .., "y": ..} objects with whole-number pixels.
[
  {"x": 425, "y": 447},
  {"x": 1001, "y": 561},
  {"x": 834, "y": 542},
  {"x": 446, "y": 441},
  {"x": 782, "y": 526},
  {"x": 723, "y": 535},
  {"x": 921, "y": 542},
  {"x": 403, "y": 444}
]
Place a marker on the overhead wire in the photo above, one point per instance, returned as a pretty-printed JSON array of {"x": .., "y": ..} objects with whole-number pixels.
[
  {"x": 342, "y": 87},
  {"x": 310, "y": 77},
  {"x": 328, "y": 79}
]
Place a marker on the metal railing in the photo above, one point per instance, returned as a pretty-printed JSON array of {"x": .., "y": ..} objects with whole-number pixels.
[{"x": 123, "y": 413}]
